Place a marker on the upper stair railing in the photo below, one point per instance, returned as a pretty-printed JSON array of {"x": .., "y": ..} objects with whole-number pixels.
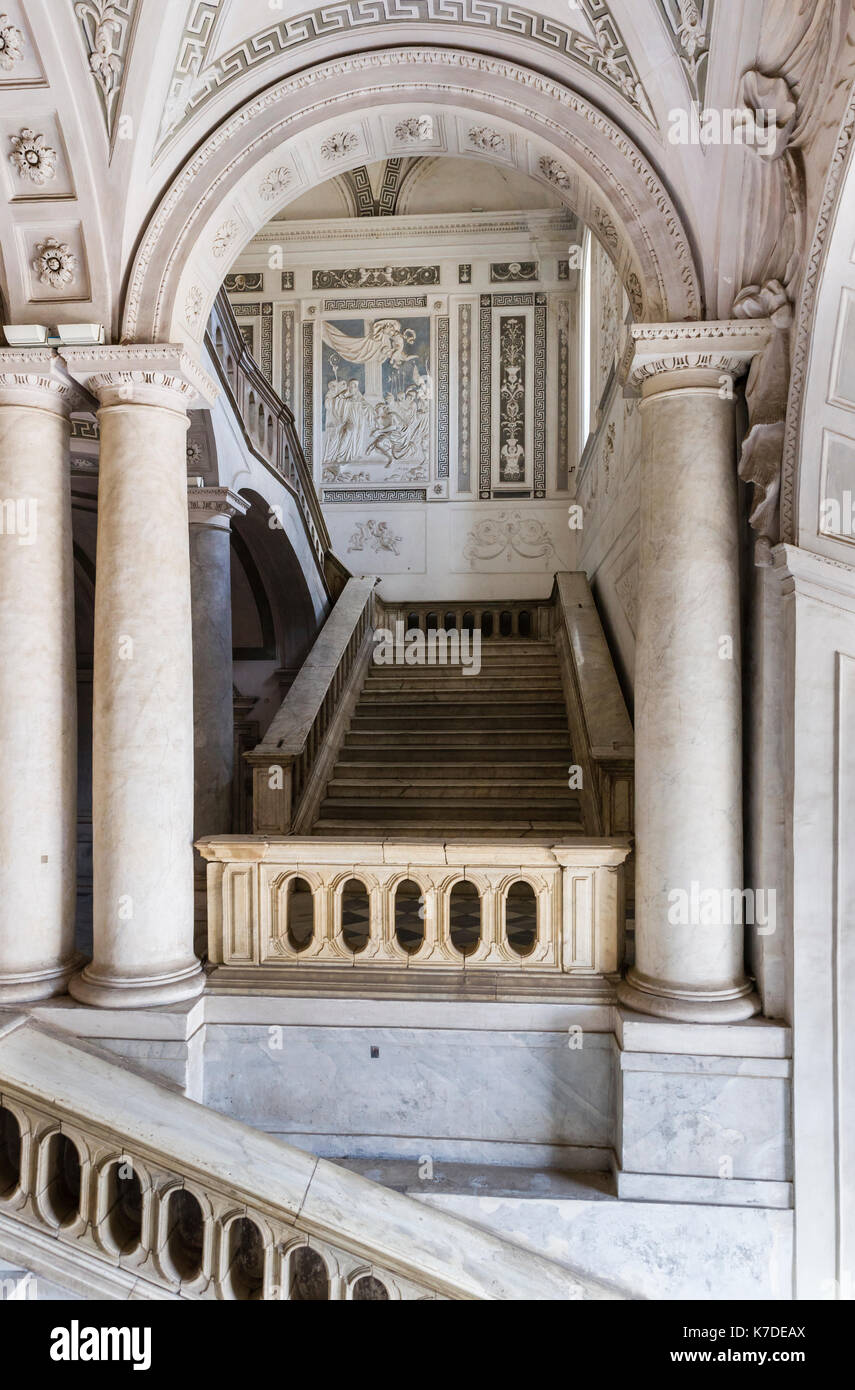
[
  {"x": 114, "y": 1186},
  {"x": 268, "y": 427}
]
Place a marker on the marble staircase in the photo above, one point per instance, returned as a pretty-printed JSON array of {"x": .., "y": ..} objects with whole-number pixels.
[{"x": 431, "y": 750}]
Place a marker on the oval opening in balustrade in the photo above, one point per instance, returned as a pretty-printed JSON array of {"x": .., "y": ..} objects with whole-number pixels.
[
  {"x": 62, "y": 1189},
  {"x": 469, "y": 622},
  {"x": 124, "y": 1207},
  {"x": 413, "y": 624},
  {"x": 299, "y": 914},
  {"x": 449, "y": 622},
  {"x": 10, "y": 1152},
  {"x": 368, "y": 1289},
  {"x": 524, "y": 623},
  {"x": 521, "y": 918},
  {"x": 308, "y": 1280},
  {"x": 431, "y": 623},
  {"x": 245, "y": 1278},
  {"x": 355, "y": 915},
  {"x": 185, "y": 1237},
  {"x": 506, "y": 623},
  {"x": 464, "y": 917},
  {"x": 486, "y": 625},
  {"x": 409, "y": 916}
]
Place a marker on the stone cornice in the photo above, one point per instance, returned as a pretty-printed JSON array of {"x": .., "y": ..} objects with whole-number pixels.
[
  {"x": 215, "y": 505},
  {"x": 812, "y": 575},
  {"x": 725, "y": 347},
  {"x": 35, "y": 377},
  {"x": 161, "y": 374}
]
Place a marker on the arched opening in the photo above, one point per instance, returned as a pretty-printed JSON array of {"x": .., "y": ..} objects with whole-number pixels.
[
  {"x": 308, "y": 1280},
  {"x": 245, "y": 1277},
  {"x": 464, "y": 917},
  {"x": 10, "y": 1152},
  {"x": 124, "y": 1200},
  {"x": 409, "y": 916},
  {"x": 62, "y": 1186},
  {"x": 368, "y": 1289},
  {"x": 355, "y": 915},
  {"x": 185, "y": 1227},
  {"x": 299, "y": 914},
  {"x": 521, "y": 917}
]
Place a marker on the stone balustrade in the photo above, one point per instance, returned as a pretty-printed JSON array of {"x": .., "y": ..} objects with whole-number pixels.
[
  {"x": 450, "y": 904},
  {"x": 117, "y": 1187}
]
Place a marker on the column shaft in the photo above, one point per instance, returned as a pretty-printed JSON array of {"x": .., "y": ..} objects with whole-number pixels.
[{"x": 38, "y": 733}]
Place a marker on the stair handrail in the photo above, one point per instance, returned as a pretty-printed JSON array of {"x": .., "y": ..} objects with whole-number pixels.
[
  {"x": 267, "y": 422},
  {"x": 55, "y": 1086},
  {"x": 291, "y": 762}
]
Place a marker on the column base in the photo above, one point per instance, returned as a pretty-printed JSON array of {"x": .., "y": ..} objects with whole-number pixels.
[
  {"x": 117, "y": 993},
  {"x": 728, "y": 1006},
  {"x": 38, "y": 984}
]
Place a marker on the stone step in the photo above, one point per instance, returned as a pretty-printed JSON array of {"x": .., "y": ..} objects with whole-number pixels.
[
  {"x": 449, "y": 769},
  {"x": 451, "y": 809},
  {"x": 510, "y": 742},
  {"x": 378, "y": 791},
  {"x": 454, "y": 718},
  {"x": 483, "y": 682},
  {"x": 470, "y": 827},
  {"x": 472, "y": 694}
]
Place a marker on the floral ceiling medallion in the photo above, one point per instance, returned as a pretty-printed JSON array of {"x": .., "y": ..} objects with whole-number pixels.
[
  {"x": 33, "y": 159},
  {"x": 11, "y": 44},
  {"x": 342, "y": 142},
  {"x": 274, "y": 184},
  {"x": 55, "y": 263}
]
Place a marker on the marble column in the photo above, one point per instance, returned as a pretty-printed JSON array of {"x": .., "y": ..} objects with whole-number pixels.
[
  {"x": 211, "y": 510},
  {"x": 688, "y": 689},
  {"x": 38, "y": 719},
  {"x": 142, "y": 759}
]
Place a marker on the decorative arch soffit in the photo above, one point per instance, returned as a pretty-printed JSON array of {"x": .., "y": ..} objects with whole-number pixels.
[
  {"x": 311, "y": 126},
  {"x": 197, "y": 80}
]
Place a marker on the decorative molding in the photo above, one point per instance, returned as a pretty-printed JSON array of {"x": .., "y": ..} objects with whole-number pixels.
[
  {"x": 287, "y": 280},
  {"x": 350, "y": 495},
  {"x": 508, "y": 534},
  {"x": 464, "y": 274},
  {"x": 289, "y": 322},
  {"x": 196, "y": 81},
  {"x": 562, "y": 436},
  {"x": 513, "y": 301},
  {"x": 689, "y": 24},
  {"x": 274, "y": 183},
  {"x": 106, "y": 27},
  {"x": 490, "y": 141},
  {"x": 308, "y": 412},
  {"x": 207, "y": 505},
  {"x": 663, "y": 238},
  {"x": 507, "y": 271},
  {"x": 393, "y": 301},
  {"x": 464, "y": 397},
  {"x": 339, "y": 144},
  {"x": 55, "y": 263},
  {"x": 375, "y": 277},
  {"x": 417, "y": 226},
  {"x": 485, "y": 480},
  {"x": 374, "y": 535},
  {"x": 555, "y": 173},
  {"x": 539, "y": 402},
  {"x": 264, "y": 358},
  {"x": 32, "y": 157},
  {"x": 251, "y": 282},
  {"x": 225, "y": 237},
  {"x": 193, "y": 306},
  {"x": 443, "y": 394},
  {"x": 726, "y": 346},
  {"x": 11, "y": 44},
  {"x": 34, "y": 377},
  {"x": 513, "y": 400},
  {"x": 161, "y": 374}
]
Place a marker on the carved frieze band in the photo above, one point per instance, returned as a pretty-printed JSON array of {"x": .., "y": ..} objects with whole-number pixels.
[
  {"x": 443, "y": 394},
  {"x": 464, "y": 396},
  {"x": 288, "y": 328},
  {"x": 486, "y": 391},
  {"x": 195, "y": 81},
  {"x": 308, "y": 421}
]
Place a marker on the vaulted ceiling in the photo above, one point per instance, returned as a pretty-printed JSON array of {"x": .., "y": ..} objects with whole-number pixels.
[{"x": 103, "y": 103}]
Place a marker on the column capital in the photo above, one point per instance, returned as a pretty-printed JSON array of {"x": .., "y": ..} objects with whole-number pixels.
[
  {"x": 667, "y": 356},
  {"x": 215, "y": 506},
  {"x": 36, "y": 377},
  {"x": 160, "y": 374}
]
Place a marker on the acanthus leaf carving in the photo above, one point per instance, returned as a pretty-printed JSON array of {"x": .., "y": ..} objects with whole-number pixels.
[{"x": 106, "y": 26}]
